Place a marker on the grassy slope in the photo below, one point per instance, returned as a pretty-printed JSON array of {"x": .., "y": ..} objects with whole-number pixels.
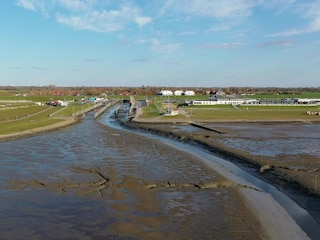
[
  {"x": 26, "y": 116},
  {"x": 37, "y": 119}
]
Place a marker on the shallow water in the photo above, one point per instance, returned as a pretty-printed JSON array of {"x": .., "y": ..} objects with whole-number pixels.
[
  {"x": 266, "y": 139},
  {"x": 91, "y": 181}
]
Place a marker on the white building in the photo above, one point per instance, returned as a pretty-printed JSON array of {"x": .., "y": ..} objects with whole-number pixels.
[
  {"x": 178, "y": 92},
  {"x": 189, "y": 93},
  {"x": 166, "y": 93}
]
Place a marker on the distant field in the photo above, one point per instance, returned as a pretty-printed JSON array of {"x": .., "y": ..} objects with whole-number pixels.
[
  {"x": 33, "y": 98},
  {"x": 255, "y": 114},
  {"x": 233, "y": 113}
]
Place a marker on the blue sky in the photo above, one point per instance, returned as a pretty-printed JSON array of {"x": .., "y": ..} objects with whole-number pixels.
[{"x": 183, "y": 43}]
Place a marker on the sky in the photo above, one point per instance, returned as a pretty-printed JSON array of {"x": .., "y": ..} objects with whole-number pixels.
[{"x": 169, "y": 43}]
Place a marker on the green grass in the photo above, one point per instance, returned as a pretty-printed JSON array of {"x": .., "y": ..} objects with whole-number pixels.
[
  {"x": 35, "y": 98},
  {"x": 14, "y": 113},
  {"x": 23, "y": 117},
  {"x": 234, "y": 113},
  {"x": 28, "y": 122},
  {"x": 255, "y": 113},
  {"x": 151, "y": 111},
  {"x": 17, "y": 119},
  {"x": 70, "y": 109}
]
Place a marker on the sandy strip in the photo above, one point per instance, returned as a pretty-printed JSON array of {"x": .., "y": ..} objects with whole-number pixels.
[{"x": 276, "y": 221}]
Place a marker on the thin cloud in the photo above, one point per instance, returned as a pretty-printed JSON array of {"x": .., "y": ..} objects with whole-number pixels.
[
  {"x": 158, "y": 46},
  {"x": 140, "y": 60},
  {"x": 141, "y": 21},
  {"x": 14, "y": 68},
  {"x": 165, "y": 48},
  {"x": 101, "y": 21},
  {"x": 283, "y": 43},
  {"x": 212, "y": 9},
  {"x": 220, "y": 27},
  {"x": 314, "y": 26},
  {"x": 186, "y": 33},
  {"x": 34, "y": 5},
  {"x": 280, "y": 5},
  {"x": 75, "y": 5},
  {"x": 40, "y": 68},
  {"x": 309, "y": 11},
  {"x": 27, "y": 4},
  {"x": 92, "y": 60},
  {"x": 90, "y": 15},
  {"x": 104, "y": 21},
  {"x": 223, "y": 45}
]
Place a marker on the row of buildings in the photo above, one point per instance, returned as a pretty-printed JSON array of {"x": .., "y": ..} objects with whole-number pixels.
[{"x": 176, "y": 93}]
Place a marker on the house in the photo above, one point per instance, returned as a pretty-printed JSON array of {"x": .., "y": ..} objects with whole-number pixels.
[
  {"x": 189, "y": 93},
  {"x": 166, "y": 93},
  {"x": 178, "y": 92}
]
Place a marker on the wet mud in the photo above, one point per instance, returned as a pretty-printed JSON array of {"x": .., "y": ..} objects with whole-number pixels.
[
  {"x": 95, "y": 182},
  {"x": 294, "y": 158},
  {"x": 283, "y": 154}
]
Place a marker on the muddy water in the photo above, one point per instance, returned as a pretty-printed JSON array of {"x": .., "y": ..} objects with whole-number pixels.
[
  {"x": 91, "y": 181},
  {"x": 267, "y": 139},
  {"x": 281, "y": 139}
]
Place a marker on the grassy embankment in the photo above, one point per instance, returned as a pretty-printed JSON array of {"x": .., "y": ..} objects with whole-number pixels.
[{"x": 18, "y": 114}]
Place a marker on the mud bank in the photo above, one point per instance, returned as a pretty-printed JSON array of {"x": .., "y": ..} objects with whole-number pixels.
[{"x": 304, "y": 174}]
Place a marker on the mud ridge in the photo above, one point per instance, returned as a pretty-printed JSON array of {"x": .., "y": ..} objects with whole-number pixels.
[
  {"x": 127, "y": 182},
  {"x": 307, "y": 181}
]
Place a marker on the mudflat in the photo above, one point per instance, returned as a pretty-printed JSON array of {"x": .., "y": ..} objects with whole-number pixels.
[
  {"x": 248, "y": 142},
  {"x": 168, "y": 194}
]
